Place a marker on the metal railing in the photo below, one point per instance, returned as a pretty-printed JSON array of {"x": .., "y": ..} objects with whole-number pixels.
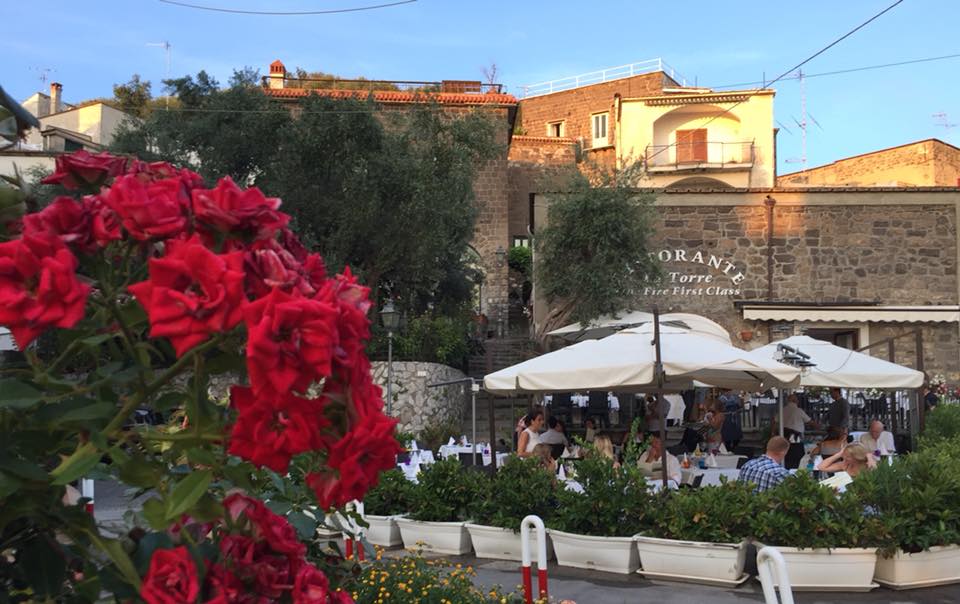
[
  {"x": 721, "y": 154},
  {"x": 333, "y": 83},
  {"x": 603, "y": 75}
]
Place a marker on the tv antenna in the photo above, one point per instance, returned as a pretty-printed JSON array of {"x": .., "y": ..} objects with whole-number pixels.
[
  {"x": 44, "y": 73},
  {"x": 166, "y": 46},
  {"x": 943, "y": 122},
  {"x": 802, "y": 124}
]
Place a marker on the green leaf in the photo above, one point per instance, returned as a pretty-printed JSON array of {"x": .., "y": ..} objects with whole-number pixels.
[
  {"x": 114, "y": 549},
  {"x": 22, "y": 468},
  {"x": 170, "y": 400},
  {"x": 148, "y": 544},
  {"x": 207, "y": 509},
  {"x": 8, "y": 485},
  {"x": 279, "y": 507},
  {"x": 15, "y": 394},
  {"x": 239, "y": 475},
  {"x": 305, "y": 525},
  {"x": 187, "y": 492},
  {"x": 201, "y": 456},
  {"x": 93, "y": 341},
  {"x": 91, "y": 411},
  {"x": 139, "y": 472},
  {"x": 76, "y": 465},
  {"x": 155, "y": 513},
  {"x": 44, "y": 567}
]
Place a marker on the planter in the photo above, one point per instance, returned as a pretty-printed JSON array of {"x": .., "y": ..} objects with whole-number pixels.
[
  {"x": 837, "y": 569},
  {"x": 609, "y": 554},
  {"x": 503, "y": 544},
  {"x": 383, "y": 531},
  {"x": 937, "y": 566},
  {"x": 438, "y": 537},
  {"x": 718, "y": 564}
]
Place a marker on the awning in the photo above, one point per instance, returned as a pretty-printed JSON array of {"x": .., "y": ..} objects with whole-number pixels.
[{"x": 852, "y": 313}]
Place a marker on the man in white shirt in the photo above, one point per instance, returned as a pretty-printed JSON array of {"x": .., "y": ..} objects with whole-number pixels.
[
  {"x": 878, "y": 439},
  {"x": 795, "y": 419}
]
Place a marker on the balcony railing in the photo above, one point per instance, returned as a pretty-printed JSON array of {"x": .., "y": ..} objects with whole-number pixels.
[
  {"x": 722, "y": 155},
  {"x": 603, "y": 75}
]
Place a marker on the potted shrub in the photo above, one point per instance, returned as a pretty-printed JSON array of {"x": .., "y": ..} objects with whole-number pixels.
[
  {"x": 390, "y": 498},
  {"x": 594, "y": 529},
  {"x": 443, "y": 500},
  {"x": 918, "y": 498},
  {"x": 521, "y": 487},
  {"x": 699, "y": 535},
  {"x": 826, "y": 538}
]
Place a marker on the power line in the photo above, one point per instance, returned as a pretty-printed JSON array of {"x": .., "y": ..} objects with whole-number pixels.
[
  {"x": 285, "y": 13},
  {"x": 807, "y": 76},
  {"x": 796, "y": 67}
]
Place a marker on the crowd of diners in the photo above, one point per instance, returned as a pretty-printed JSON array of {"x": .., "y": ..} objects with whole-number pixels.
[{"x": 718, "y": 430}]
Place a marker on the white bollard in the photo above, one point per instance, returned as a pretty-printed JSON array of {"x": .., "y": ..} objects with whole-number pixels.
[
  {"x": 770, "y": 561},
  {"x": 86, "y": 490},
  {"x": 525, "y": 525}
]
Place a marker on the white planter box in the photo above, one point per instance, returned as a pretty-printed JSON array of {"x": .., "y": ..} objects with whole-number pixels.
[
  {"x": 383, "y": 531},
  {"x": 838, "y": 569},
  {"x": 609, "y": 554},
  {"x": 695, "y": 561},
  {"x": 503, "y": 544},
  {"x": 439, "y": 537},
  {"x": 937, "y": 566}
]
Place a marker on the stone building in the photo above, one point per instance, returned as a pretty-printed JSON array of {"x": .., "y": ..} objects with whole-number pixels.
[{"x": 926, "y": 163}]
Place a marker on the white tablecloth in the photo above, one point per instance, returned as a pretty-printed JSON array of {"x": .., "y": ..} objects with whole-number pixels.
[
  {"x": 711, "y": 476},
  {"x": 454, "y": 450},
  {"x": 652, "y": 485}
]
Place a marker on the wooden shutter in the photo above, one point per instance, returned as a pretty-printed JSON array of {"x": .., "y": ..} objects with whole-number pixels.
[{"x": 692, "y": 145}]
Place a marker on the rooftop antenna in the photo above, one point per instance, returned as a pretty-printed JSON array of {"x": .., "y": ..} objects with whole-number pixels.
[
  {"x": 802, "y": 124},
  {"x": 44, "y": 73},
  {"x": 943, "y": 122},
  {"x": 166, "y": 46}
]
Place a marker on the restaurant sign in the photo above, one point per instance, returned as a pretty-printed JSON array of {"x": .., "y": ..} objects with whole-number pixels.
[{"x": 696, "y": 273}]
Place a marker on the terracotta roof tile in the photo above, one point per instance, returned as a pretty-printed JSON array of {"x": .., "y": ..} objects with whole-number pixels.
[
  {"x": 558, "y": 140},
  {"x": 398, "y": 96}
]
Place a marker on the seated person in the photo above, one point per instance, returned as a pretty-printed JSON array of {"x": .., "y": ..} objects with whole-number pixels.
[
  {"x": 591, "y": 430},
  {"x": 542, "y": 452},
  {"x": 853, "y": 459},
  {"x": 878, "y": 440},
  {"x": 767, "y": 471},
  {"x": 833, "y": 442},
  {"x": 650, "y": 461},
  {"x": 604, "y": 447},
  {"x": 554, "y": 434}
]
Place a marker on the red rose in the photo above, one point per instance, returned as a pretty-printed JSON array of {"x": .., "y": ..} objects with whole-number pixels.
[
  {"x": 290, "y": 342},
  {"x": 151, "y": 210},
  {"x": 223, "y": 587},
  {"x": 268, "y": 265},
  {"x": 83, "y": 168},
  {"x": 229, "y": 209},
  {"x": 270, "y": 432},
  {"x": 65, "y": 218},
  {"x": 292, "y": 244},
  {"x": 192, "y": 293},
  {"x": 263, "y": 524},
  {"x": 353, "y": 303},
  {"x": 39, "y": 287},
  {"x": 104, "y": 221},
  {"x": 160, "y": 170},
  {"x": 310, "y": 586},
  {"x": 171, "y": 578},
  {"x": 355, "y": 461}
]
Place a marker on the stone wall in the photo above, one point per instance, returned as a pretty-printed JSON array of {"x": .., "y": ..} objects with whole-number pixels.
[
  {"x": 534, "y": 163},
  {"x": 923, "y": 163},
  {"x": 416, "y": 405}
]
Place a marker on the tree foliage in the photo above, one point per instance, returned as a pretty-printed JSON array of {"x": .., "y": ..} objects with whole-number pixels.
[
  {"x": 593, "y": 257},
  {"x": 388, "y": 193},
  {"x": 134, "y": 96}
]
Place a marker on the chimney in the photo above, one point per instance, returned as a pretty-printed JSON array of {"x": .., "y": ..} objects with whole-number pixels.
[
  {"x": 277, "y": 73},
  {"x": 55, "y": 89}
]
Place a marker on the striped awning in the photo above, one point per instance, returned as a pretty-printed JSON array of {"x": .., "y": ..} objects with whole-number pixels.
[{"x": 851, "y": 313}]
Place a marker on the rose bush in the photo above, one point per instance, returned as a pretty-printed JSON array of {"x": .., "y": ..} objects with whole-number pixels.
[{"x": 141, "y": 289}]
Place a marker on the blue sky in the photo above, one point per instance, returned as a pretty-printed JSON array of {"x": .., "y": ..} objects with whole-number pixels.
[{"x": 713, "y": 43}]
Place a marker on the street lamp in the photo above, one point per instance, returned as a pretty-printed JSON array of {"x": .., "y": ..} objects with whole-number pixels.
[
  {"x": 391, "y": 320},
  {"x": 501, "y": 261}
]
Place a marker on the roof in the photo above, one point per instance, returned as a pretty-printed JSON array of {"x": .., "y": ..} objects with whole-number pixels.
[
  {"x": 557, "y": 140},
  {"x": 89, "y": 103},
  {"x": 392, "y": 96},
  {"x": 730, "y": 96},
  {"x": 884, "y": 150}
]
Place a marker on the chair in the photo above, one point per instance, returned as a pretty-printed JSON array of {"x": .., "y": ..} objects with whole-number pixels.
[
  {"x": 697, "y": 481},
  {"x": 562, "y": 407},
  {"x": 598, "y": 408},
  {"x": 403, "y": 457},
  {"x": 794, "y": 454},
  {"x": 741, "y": 461},
  {"x": 556, "y": 451},
  {"x": 466, "y": 459},
  {"x": 750, "y": 452}
]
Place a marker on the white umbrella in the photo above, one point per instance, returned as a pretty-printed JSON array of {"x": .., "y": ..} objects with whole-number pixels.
[
  {"x": 839, "y": 367},
  {"x": 626, "y": 361},
  {"x": 610, "y": 324}
]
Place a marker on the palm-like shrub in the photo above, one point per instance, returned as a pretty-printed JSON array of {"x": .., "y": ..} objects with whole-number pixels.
[
  {"x": 392, "y": 495},
  {"x": 614, "y": 501},
  {"x": 716, "y": 514},
  {"x": 521, "y": 487},
  {"x": 448, "y": 492}
]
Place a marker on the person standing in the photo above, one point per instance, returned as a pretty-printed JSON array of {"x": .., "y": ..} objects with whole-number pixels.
[
  {"x": 838, "y": 415},
  {"x": 530, "y": 437},
  {"x": 795, "y": 419}
]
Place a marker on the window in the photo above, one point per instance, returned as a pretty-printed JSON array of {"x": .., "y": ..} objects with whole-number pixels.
[
  {"x": 599, "y": 129},
  {"x": 692, "y": 146},
  {"x": 521, "y": 241},
  {"x": 555, "y": 129}
]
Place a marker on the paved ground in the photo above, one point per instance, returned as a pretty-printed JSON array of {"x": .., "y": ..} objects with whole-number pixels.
[{"x": 592, "y": 587}]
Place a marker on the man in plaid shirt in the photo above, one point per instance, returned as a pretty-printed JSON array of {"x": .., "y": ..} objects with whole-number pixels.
[{"x": 767, "y": 471}]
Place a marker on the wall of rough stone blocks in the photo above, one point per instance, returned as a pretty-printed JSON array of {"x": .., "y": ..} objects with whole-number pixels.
[
  {"x": 415, "y": 404},
  {"x": 535, "y": 164}
]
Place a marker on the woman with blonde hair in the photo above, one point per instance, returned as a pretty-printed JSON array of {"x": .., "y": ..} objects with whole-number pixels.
[
  {"x": 542, "y": 451},
  {"x": 853, "y": 459},
  {"x": 604, "y": 447}
]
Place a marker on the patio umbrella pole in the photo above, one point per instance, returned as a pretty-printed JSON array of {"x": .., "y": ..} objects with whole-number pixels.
[{"x": 658, "y": 373}]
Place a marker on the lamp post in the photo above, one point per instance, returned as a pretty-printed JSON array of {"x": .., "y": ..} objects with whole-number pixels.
[
  {"x": 391, "y": 320},
  {"x": 501, "y": 261}
]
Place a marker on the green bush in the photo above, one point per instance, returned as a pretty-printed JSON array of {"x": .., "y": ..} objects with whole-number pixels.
[
  {"x": 520, "y": 259},
  {"x": 800, "y": 512},
  {"x": 614, "y": 502},
  {"x": 942, "y": 423},
  {"x": 917, "y": 498},
  {"x": 521, "y": 487},
  {"x": 440, "y": 339},
  {"x": 448, "y": 492},
  {"x": 438, "y": 434},
  {"x": 717, "y": 514},
  {"x": 392, "y": 495}
]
